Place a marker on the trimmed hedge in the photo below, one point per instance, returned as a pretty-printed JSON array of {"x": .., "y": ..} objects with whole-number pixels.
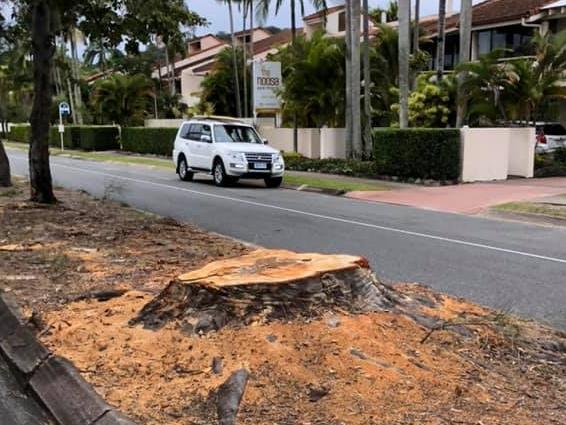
[
  {"x": 418, "y": 153},
  {"x": 346, "y": 167},
  {"x": 88, "y": 138},
  {"x": 20, "y": 133},
  {"x": 157, "y": 141}
]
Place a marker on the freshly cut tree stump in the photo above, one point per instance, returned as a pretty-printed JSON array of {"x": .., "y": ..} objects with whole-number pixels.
[{"x": 268, "y": 285}]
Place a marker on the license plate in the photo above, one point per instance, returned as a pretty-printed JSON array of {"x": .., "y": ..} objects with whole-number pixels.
[{"x": 260, "y": 166}]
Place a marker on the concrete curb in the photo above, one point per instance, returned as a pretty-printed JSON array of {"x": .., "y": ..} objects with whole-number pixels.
[
  {"x": 307, "y": 188},
  {"x": 52, "y": 380}
]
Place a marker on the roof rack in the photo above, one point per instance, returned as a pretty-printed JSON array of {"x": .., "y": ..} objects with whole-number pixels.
[{"x": 216, "y": 118}]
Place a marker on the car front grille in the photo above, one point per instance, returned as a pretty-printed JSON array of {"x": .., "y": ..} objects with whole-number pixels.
[{"x": 264, "y": 157}]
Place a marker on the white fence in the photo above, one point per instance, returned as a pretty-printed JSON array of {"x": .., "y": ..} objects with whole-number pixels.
[{"x": 312, "y": 142}]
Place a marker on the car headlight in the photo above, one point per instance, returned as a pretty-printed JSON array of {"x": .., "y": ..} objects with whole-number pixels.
[
  {"x": 237, "y": 157},
  {"x": 276, "y": 157}
]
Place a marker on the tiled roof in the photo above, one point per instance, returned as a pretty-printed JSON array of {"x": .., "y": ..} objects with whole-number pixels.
[
  {"x": 492, "y": 12},
  {"x": 322, "y": 13}
]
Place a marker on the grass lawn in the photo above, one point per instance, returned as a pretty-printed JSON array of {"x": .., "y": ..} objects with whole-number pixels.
[
  {"x": 558, "y": 211},
  {"x": 319, "y": 183}
]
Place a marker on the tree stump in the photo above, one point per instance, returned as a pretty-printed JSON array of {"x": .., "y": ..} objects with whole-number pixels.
[{"x": 268, "y": 285}]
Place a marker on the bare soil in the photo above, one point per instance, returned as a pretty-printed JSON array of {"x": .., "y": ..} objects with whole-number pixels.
[{"x": 479, "y": 367}]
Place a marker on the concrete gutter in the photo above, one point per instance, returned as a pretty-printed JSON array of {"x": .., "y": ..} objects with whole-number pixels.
[{"x": 52, "y": 380}]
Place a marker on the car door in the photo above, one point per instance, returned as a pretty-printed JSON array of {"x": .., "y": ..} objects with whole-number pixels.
[
  {"x": 206, "y": 148},
  {"x": 194, "y": 134},
  {"x": 184, "y": 143}
]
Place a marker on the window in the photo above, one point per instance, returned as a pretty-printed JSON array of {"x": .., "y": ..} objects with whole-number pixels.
[
  {"x": 342, "y": 21},
  {"x": 194, "y": 132},
  {"x": 184, "y": 133},
  {"x": 235, "y": 134},
  {"x": 484, "y": 42},
  {"x": 514, "y": 38}
]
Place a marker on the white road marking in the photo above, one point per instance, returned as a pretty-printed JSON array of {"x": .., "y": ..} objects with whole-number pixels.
[{"x": 324, "y": 217}]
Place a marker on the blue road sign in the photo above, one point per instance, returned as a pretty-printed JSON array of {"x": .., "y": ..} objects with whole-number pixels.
[{"x": 64, "y": 108}]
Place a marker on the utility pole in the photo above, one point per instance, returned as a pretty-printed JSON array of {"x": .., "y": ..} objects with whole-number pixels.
[
  {"x": 465, "y": 51},
  {"x": 404, "y": 48}
]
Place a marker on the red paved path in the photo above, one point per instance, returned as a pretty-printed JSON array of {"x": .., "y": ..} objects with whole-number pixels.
[{"x": 468, "y": 198}]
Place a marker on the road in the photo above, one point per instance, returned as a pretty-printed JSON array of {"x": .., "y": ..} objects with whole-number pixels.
[{"x": 511, "y": 266}]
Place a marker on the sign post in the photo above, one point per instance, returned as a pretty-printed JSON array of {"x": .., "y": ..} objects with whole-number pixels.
[
  {"x": 267, "y": 82},
  {"x": 64, "y": 109}
]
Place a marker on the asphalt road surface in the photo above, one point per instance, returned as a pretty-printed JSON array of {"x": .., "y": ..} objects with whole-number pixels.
[{"x": 516, "y": 267}]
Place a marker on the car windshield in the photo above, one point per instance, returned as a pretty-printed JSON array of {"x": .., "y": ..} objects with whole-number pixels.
[
  {"x": 235, "y": 134},
  {"x": 554, "y": 130}
]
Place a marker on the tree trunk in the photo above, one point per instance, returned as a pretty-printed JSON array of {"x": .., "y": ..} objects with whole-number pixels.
[
  {"x": 235, "y": 62},
  {"x": 72, "y": 100},
  {"x": 293, "y": 40},
  {"x": 416, "y": 30},
  {"x": 252, "y": 54},
  {"x": 76, "y": 79},
  {"x": 348, "y": 108},
  {"x": 465, "y": 49},
  {"x": 357, "y": 146},
  {"x": 173, "y": 76},
  {"x": 5, "y": 175},
  {"x": 368, "y": 145},
  {"x": 404, "y": 47},
  {"x": 42, "y": 49},
  {"x": 167, "y": 67},
  {"x": 440, "y": 46},
  {"x": 245, "y": 58}
]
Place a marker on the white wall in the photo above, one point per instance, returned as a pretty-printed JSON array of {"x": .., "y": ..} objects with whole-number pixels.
[
  {"x": 332, "y": 143},
  {"x": 496, "y": 153},
  {"x": 278, "y": 138},
  {"x": 522, "y": 142},
  {"x": 164, "y": 123},
  {"x": 190, "y": 87}
]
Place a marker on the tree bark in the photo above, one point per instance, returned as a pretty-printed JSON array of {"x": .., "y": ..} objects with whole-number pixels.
[
  {"x": 245, "y": 58},
  {"x": 293, "y": 40},
  {"x": 5, "y": 175},
  {"x": 368, "y": 145},
  {"x": 416, "y": 31},
  {"x": 76, "y": 78},
  {"x": 252, "y": 55},
  {"x": 404, "y": 47},
  {"x": 348, "y": 108},
  {"x": 465, "y": 50},
  {"x": 357, "y": 147},
  {"x": 440, "y": 46},
  {"x": 235, "y": 62},
  {"x": 43, "y": 50}
]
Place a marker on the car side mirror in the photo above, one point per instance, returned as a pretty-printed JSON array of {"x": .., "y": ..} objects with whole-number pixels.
[
  {"x": 205, "y": 139},
  {"x": 265, "y": 141}
]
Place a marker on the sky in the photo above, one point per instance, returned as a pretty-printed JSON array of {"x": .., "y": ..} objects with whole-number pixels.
[{"x": 217, "y": 13}]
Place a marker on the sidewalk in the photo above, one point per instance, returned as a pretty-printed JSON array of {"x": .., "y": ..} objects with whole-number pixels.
[{"x": 470, "y": 198}]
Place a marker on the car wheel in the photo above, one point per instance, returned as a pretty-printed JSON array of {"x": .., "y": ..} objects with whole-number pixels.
[
  {"x": 219, "y": 174},
  {"x": 273, "y": 182},
  {"x": 184, "y": 173}
]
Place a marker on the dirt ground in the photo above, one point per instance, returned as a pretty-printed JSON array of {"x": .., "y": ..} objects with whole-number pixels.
[{"x": 378, "y": 368}]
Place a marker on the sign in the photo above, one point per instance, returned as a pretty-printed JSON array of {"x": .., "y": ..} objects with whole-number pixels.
[
  {"x": 61, "y": 128},
  {"x": 64, "y": 108},
  {"x": 266, "y": 84}
]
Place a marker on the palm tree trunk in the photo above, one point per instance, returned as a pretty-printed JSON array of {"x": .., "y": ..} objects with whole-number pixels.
[
  {"x": 348, "y": 106},
  {"x": 293, "y": 40},
  {"x": 465, "y": 50},
  {"x": 76, "y": 78},
  {"x": 5, "y": 175},
  {"x": 404, "y": 48},
  {"x": 245, "y": 58},
  {"x": 252, "y": 109},
  {"x": 440, "y": 45},
  {"x": 368, "y": 146},
  {"x": 357, "y": 145},
  {"x": 173, "y": 76},
  {"x": 72, "y": 101},
  {"x": 167, "y": 67},
  {"x": 235, "y": 62},
  {"x": 416, "y": 31},
  {"x": 43, "y": 50}
]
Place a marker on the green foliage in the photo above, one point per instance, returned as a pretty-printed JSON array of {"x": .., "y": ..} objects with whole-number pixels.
[
  {"x": 157, "y": 141},
  {"x": 218, "y": 87},
  {"x": 560, "y": 155},
  {"x": 418, "y": 153},
  {"x": 20, "y": 133},
  {"x": 347, "y": 167},
  {"x": 432, "y": 104},
  {"x": 314, "y": 74},
  {"x": 55, "y": 137},
  {"x": 392, "y": 12},
  {"x": 123, "y": 99},
  {"x": 96, "y": 138}
]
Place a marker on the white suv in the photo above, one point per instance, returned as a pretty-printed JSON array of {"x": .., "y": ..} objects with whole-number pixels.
[{"x": 227, "y": 149}]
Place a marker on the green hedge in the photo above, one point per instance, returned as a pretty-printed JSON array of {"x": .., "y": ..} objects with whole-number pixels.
[
  {"x": 418, "y": 153},
  {"x": 20, "y": 133},
  {"x": 347, "y": 167},
  {"x": 157, "y": 141}
]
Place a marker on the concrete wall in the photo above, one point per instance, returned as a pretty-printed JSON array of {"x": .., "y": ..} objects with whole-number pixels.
[
  {"x": 485, "y": 154},
  {"x": 164, "y": 123},
  {"x": 332, "y": 143},
  {"x": 496, "y": 153},
  {"x": 278, "y": 138},
  {"x": 522, "y": 143},
  {"x": 190, "y": 87}
]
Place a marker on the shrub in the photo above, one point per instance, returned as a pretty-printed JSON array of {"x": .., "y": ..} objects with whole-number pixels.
[
  {"x": 348, "y": 167},
  {"x": 554, "y": 170},
  {"x": 157, "y": 141},
  {"x": 55, "y": 138},
  {"x": 20, "y": 133},
  {"x": 560, "y": 156},
  {"x": 96, "y": 138},
  {"x": 418, "y": 153}
]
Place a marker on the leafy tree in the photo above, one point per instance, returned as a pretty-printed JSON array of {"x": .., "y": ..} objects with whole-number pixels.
[
  {"x": 391, "y": 13},
  {"x": 317, "y": 101},
  {"x": 123, "y": 99}
]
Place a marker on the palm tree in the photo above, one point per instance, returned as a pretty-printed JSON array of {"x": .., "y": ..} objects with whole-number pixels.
[
  {"x": 123, "y": 99},
  {"x": 355, "y": 92},
  {"x": 235, "y": 60},
  {"x": 416, "y": 31},
  {"x": 441, "y": 41},
  {"x": 404, "y": 50},
  {"x": 367, "y": 83},
  {"x": 465, "y": 50}
]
